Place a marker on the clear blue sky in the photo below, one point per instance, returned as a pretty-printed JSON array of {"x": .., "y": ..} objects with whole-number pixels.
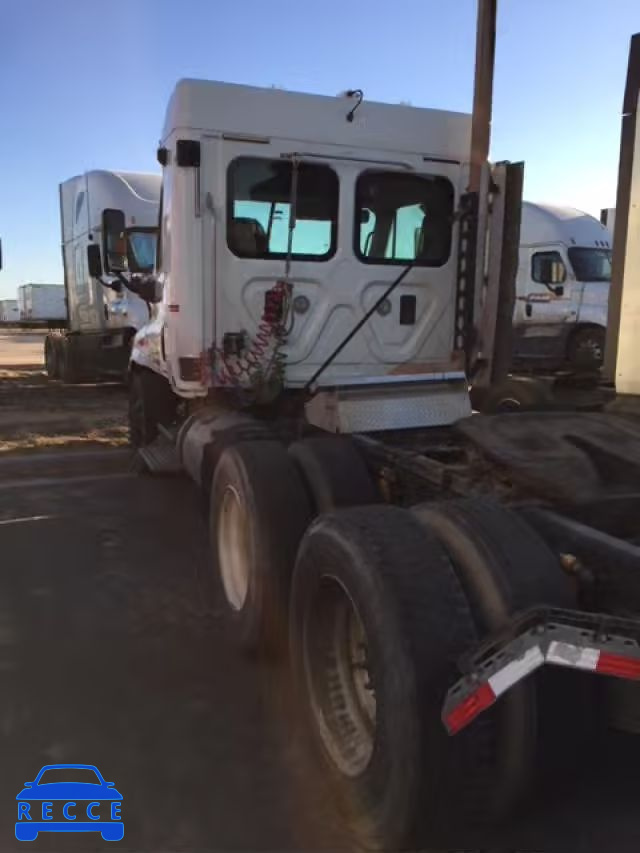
[{"x": 84, "y": 85}]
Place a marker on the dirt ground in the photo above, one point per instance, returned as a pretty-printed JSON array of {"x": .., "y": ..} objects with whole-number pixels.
[{"x": 38, "y": 414}]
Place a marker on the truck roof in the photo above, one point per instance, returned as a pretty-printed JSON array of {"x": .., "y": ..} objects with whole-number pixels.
[
  {"x": 548, "y": 223},
  {"x": 84, "y": 197},
  {"x": 210, "y": 106}
]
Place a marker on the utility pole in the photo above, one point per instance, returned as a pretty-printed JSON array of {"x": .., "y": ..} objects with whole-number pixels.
[
  {"x": 482, "y": 90},
  {"x": 621, "y": 361}
]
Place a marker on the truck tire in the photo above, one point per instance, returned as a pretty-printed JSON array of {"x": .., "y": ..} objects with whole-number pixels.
[
  {"x": 259, "y": 511},
  {"x": 378, "y": 620},
  {"x": 504, "y": 567},
  {"x": 521, "y": 393},
  {"x": 51, "y": 357},
  {"x": 151, "y": 402},
  {"x": 585, "y": 350},
  {"x": 68, "y": 362},
  {"x": 334, "y": 471}
]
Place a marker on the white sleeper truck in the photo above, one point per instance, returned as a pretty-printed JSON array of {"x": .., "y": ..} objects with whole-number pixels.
[
  {"x": 103, "y": 312},
  {"x": 562, "y": 287},
  {"x": 328, "y": 278}
]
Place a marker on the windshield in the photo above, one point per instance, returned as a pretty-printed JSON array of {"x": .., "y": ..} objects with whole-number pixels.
[
  {"x": 591, "y": 264},
  {"x": 141, "y": 250},
  {"x": 69, "y": 775}
]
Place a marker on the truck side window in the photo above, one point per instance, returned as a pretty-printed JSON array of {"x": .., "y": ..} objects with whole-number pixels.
[
  {"x": 401, "y": 218},
  {"x": 539, "y": 258},
  {"x": 259, "y": 209}
]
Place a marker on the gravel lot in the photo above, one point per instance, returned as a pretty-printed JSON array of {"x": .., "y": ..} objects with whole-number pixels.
[{"x": 38, "y": 414}]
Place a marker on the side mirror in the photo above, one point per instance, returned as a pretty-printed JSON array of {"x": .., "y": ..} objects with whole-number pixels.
[
  {"x": 365, "y": 216},
  {"x": 94, "y": 261},
  {"x": 551, "y": 271},
  {"x": 558, "y": 290},
  {"x": 114, "y": 241}
]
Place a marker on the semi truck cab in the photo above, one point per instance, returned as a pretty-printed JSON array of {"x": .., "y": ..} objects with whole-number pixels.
[
  {"x": 562, "y": 287},
  {"x": 262, "y": 187},
  {"x": 109, "y": 223}
]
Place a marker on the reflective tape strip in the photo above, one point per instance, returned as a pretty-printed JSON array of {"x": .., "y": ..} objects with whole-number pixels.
[
  {"x": 619, "y": 665},
  {"x": 506, "y": 677},
  {"x": 566, "y": 654},
  {"x": 477, "y": 702}
]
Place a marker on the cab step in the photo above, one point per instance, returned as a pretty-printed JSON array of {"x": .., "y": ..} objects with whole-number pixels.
[{"x": 160, "y": 457}]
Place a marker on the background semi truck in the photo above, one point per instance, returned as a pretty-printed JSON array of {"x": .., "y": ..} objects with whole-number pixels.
[
  {"x": 41, "y": 302},
  {"x": 562, "y": 287},
  {"x": 103, "y": 313},
  {"x": 608, "y": 218},
  {"x": 330, "y": 273},
  {"x": 9, "y": 311}
]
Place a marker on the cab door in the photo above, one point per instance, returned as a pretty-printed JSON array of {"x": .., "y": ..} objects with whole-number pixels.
[{"x": 540, "y": 303}]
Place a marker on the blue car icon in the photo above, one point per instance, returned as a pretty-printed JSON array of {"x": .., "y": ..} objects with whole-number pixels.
[{"x": 69, "y": 798}]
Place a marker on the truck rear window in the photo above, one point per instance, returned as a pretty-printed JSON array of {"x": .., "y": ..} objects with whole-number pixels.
[
  {"x": 402, "y": 218},
  {"x": 259, "y": 209}
]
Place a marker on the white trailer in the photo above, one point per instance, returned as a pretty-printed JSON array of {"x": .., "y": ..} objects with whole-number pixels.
[
  {"x": 330, "y": 270},
  {"x": 9, "y": 311},
  {"x": 562, "y": 287},
  {"x": 42, "y": 302},
  {"x": 104, "y": 313}
]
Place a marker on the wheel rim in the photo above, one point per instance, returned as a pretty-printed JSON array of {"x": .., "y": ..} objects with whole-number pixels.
[
  {"x": 339, "y": 678},
  {"x": 509, "y": 404},
  {"x": 590, "y": 350},
  {"x": 233, "y": 548}
]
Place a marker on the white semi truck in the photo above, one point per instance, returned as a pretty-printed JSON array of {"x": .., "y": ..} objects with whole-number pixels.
[
  {"x": 103, "y": 312},
  {"x": 330, "y": 272},
  {"x": 562, "y": 287}
]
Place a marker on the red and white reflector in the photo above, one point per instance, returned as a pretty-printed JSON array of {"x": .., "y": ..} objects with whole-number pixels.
[
  {"x": 594, "y": 660},
  {"x": 516, "y": 670},
  {"x": 623, "y": 667},
  {"x": 469, "y": 708},
  {"x": 557, "y": 653},
  {"x": 576, "y": 657}
]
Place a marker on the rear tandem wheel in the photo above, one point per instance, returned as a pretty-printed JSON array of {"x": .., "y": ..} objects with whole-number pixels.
[
  {"x": 259, "y": 510},
  {"x": 378, "y": 621}
]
